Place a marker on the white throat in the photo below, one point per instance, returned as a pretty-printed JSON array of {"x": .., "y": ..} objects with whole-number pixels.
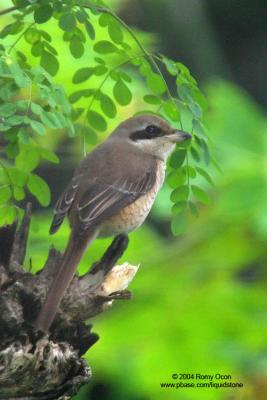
[{"x": 160, "y": 147}]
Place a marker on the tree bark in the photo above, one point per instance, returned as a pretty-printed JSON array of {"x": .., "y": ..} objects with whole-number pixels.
[{"x": 35, "y": 365}]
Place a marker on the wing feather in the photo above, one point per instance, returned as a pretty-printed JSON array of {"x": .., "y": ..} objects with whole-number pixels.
[
  {"x": 102, "y": 201},
  {"x": 64, "y": 203}
]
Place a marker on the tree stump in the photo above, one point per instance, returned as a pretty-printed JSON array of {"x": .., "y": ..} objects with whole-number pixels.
[{"x": 35, "y": 365}]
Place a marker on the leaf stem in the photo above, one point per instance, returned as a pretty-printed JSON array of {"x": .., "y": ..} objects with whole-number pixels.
[
  {"x": 102, "y": 84},
  {"x": 150, "y": 56},
  {"x": 19, "y": 37},
  {"x": 108, "y": 75},
  {"x": 187, "y": 169}
]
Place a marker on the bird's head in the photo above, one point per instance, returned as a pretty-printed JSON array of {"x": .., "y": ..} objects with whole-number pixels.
[{"x": 150, "y": 134}]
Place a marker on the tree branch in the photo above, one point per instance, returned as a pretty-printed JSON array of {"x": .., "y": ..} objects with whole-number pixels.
[
  {"x": 8, "y": 10},
  {"x": 34, "y": 365}
]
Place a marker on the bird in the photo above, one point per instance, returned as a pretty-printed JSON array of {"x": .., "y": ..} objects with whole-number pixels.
[{"x": 111, "y": 192}]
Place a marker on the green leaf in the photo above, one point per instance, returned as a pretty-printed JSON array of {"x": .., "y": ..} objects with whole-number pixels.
[
  {"x": 151, "y": 99},
  {"x": 193, "y": 209},
  {"x": 122, "y": 93},
  {"x": 145, "y": 68},
  {"x": 17, "y": 176},
  {"x": 205, "y": 175},
  {"x": 170, "y": 65},
  {"x": 51, "y": 119},
  {"x": 176, "y": 178},
  {"x": 195, "y": 154},
  {"x": 67, "y": 22},
  {"x": 3, "y": 176},
  {"x": 6, "y": 31},
  {"x": 19, "y": 193},
  {"x": 185, "y": 73},
  {"x": 76, "y": 47},
  {"x": 115, "y": 32},
  {"x": 100, "y": 70},
  {"x": 70, "y": 128},
  {"x": 11, "y": 134},
  {"x": 198, "y": 127},
  {"x": 76, "y": 113},
  {"x": 89, "y": 135},
  {"x": 137, "y": 62},
  {"x": 82, "y": 74},
  {"x": 27, "y": 159},
  {"x": 50, "y": 48},
  {"x": 205, "y": 151},
  {"x": 12, "y": 150},
  {"x": 39, "y": 188},
  {"x": 180, "y": 194},
  {"x": 5, "y": 193},
  {"x": 32, "y": 36},
  {"x": 81, "y": 16},
  {"x": 156, "y": 83},
  {"x": 8, "y": 109},
  {"x": 190, "y": 171},
  {"x": 19, "y": 75},
  {"x": 49, "y": 62},
  {"x": 96, "y": 120},
  {"x": 15, "y": 120},
  {"x": 90, "y": 30},
  {"x": 75, "y": 96},
  {"x": 79, "y": 33},
  {"x": 46, "y": 35},
  {"x": 43, "y": 14},
  {"x": 179, "y": 207},
  {"x": 171, "y": 111},
  {"x": 22, "y": 105},
  {"x": 195, "y": 109},
  {"x": 37, "y": 49},
  {"x": 100, "y": 61},
  {"x": 200, "y": 195},
  {"x": 115, "y": 76},
  {"x": 104, "y": 19},
  {"x": 37, "y": 127},
  {"x": 105, "y": 47},
  {"x": 184, "y": 92},
  {"x": 123, "y": 75},
  {"x": 108, "y": 106},
  {"x": 126, "y": 46},
  {"x": 36, "y": 108},
  {"x": 7, "y": 215},
  {"x": 49, "y": 155},
  {"x": 23, "y": 136},
  {"x": 177, "y": 158},
  {"x": 179, "y": 224},
  {"x": 61, "y": 99}
]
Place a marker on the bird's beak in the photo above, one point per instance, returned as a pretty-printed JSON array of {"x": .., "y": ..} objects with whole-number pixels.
[{"x": 178, "y": 136}]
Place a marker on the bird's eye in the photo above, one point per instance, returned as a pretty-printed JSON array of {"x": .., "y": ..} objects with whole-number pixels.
[
  {"x": 151, "y": 129},
  {"x": 147, "y": 133}
]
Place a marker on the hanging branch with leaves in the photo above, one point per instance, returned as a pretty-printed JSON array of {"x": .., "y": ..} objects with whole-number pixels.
[{"x": 32, "y": 103}]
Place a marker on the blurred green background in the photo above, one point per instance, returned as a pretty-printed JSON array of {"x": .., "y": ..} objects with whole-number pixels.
[{"x": 200, "y": 301}]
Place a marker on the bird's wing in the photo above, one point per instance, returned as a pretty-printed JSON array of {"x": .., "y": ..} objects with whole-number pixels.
[
  {"x": 64, "y": 203},
  {"x": 102, "y": 200}
]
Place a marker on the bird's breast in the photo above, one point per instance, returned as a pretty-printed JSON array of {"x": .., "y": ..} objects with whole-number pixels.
[{"x": 133, "y": 215}]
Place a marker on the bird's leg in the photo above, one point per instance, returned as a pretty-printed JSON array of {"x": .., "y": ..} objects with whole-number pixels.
[{"x": 111, "y": 255}]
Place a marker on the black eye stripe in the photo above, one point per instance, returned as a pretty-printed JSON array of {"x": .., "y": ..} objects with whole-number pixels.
[
  {"x": 152, "y": 129},
  {"x": 150, "y": 132}
]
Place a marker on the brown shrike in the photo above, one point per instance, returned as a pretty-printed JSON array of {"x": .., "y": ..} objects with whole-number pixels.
[{"x": 111, "y": 192}]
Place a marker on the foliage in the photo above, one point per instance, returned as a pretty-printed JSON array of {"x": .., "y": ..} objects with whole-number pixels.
[
  {"x": 212, "y": 282},
  {"x": 32, "y": 102}
]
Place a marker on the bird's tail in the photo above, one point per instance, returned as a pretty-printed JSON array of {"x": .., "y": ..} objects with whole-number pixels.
[{"x": 69, "y": 263}]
